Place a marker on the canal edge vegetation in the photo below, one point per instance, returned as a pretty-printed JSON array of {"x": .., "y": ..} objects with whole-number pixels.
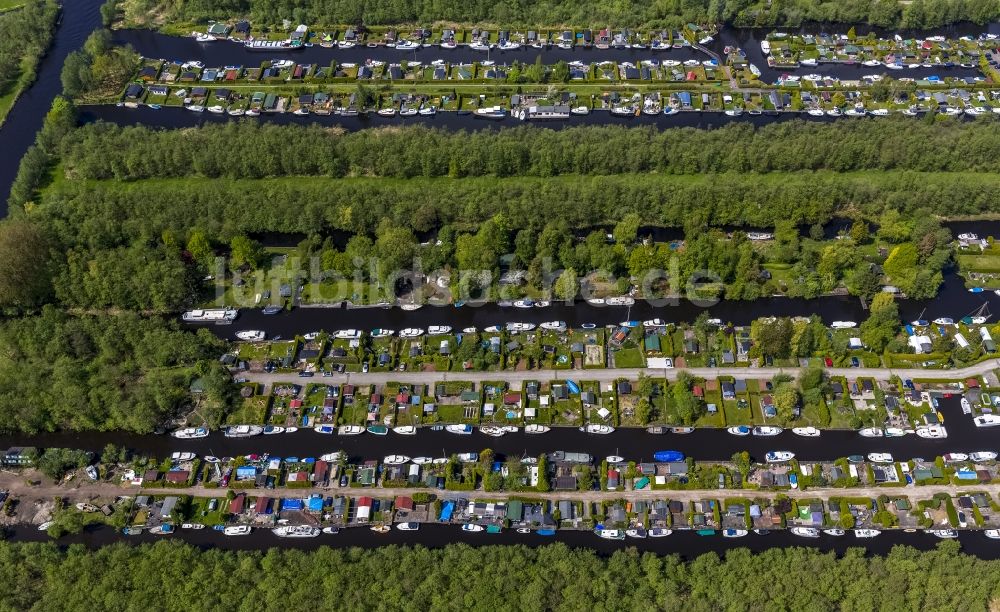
[
  {"x": 555, "y": 577},
  {"x": 26, "y": 31}
]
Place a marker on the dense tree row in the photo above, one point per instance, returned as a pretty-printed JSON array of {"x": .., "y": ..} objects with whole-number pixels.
[
  {"x": 251, "y": 150},
  {"x": 124, "y": 372},
  {"x": 554, "y": 577},
  {"x": 25, "y": 34},
  {"x": 915, "y": 14},
  {"x": 99, "y": 69}
]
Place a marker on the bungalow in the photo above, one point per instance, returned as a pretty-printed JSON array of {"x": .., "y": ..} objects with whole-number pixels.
[
  {"x": 403, "y": 503},
  {"x": 439, "y": 74},
  {"x": 209, "y": 75},
  {"x": 728, "y": 390},
  {"x": 364, "y": 509},
  {"x": 395, "y": 72},
  {"x": 147, "y": 74},
  {"x": 157, "y": 90},
  {"x": 222, "y": 94},
  {"x": 178, "y": 476},
  {"x": 767, "y": 406},
  {"x": 238, "y": 504},
  {"x": 566, "y": 510},
  {"x": 262, "y": 507},
  {"x": 134, "y": 91}
]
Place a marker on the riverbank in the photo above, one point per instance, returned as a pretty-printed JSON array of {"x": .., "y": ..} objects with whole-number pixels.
[{"x": 40, "y": 21}]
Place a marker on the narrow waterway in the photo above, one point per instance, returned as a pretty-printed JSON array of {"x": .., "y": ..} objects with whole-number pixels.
[
  {"x": 685, "y": 543},
  {"x": 79, "y": 18},
  {"x": 632, "y": 444}
]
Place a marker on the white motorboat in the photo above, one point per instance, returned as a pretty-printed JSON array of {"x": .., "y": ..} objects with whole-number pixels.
[
  {"x": 270, "y": 430},
  {"x": 405, "y": 430},
  {"x": 993, "y": 534},
  {"x": 195, "y": 526},
  {"x": 536, "y": 429},
  {"x": 636, "y": 532},
  {"x": 378, "y": 332},
  {"x": 529, "y": 460},
  {"x": 894, "y": 432},
  {"x": 331, "y": 457},
  {"x": 412, "y": 526},
  {"x": 251, "y": 335},
  {"x": 734, "y": 533},
  {"x": 210, "y": 315},
  {"x": 779, "y": 456},
  {"x": 212, "y": 459},
  {"x": 944, "y": 534},
  {"x": 966, "y": 406},
  {"x": 932, "y": 431},
  {"x": 987, "y": 420},
  {"x": 871, "y": 432},
  {"x": 347, "y": 334},
  {"x": 520, "y": 327},
  {"x": 660, "y": 532},
  {"x": 462, "y": 430},
  {"x": 331, "y": 530},
  {"x": 807, "y": 432},
  {"x": 595, "y": 428},
  {"x": 411, "y": 332},
  {"x": 438, "y": 330},
  {"x": 182, "y": 456},
  {"x": 766, "y": 431},
  {"x": 237, "y": 530},
  {"x": 835, "y": 532},
  {"x": 866, "y": 533},
  {"x": 554, "y": 325},
  {"x": 654, "y": 323},
  {"x": 614, "y": 459},
  {"x": 296, "y": 531},
  {"x": 739, "y": 430},
  {"x": 472, "y": 528},
  {"x": 944, "y": 321},
  {"x": 469, "y": 330},
  {"x": 422, "y": 460},
  {"x": 805, "y": 532},
  {"x": 350, "y": 430},
  {"x": 492, "y": 431},
  {"x": 955, "y": 457},
  {"x": 880, "y": 457},
  {"x": 326, "y": 430},
  {"x": 395, "y": 460},
  {"x": 843, "y": 324},
  {"x": 190, "y": 433},
  {"x": 243, "y": 431},
  {"x": 980, "y": 456},
  {"x": 610, "y": 534},
  {"x": 580, "y": 110}
]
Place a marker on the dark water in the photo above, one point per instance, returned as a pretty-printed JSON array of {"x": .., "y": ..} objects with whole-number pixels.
[
  {"x": 632, "y": 444},
  {"x": 79, "y": 18},
  {"x": 685, "y": 543},
  {"x": 222, "y": 53},
  {"x": 953, "y": 300},
  {"x": 176, "y": 117},
  {"x": 749, "y": 40}
]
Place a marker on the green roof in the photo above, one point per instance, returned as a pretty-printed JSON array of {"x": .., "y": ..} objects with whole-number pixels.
[{"x": 515, "y": 510}]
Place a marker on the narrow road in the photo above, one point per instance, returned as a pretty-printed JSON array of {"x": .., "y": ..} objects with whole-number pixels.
[
  {"x": 612, "y": 374},
  {"x": 17, "y": 486}
]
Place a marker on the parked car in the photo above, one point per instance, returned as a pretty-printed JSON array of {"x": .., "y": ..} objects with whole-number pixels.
[{"x": 855, "y": 362}]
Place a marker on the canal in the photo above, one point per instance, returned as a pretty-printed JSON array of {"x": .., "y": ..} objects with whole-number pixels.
[{"x": 685, "y": 543}]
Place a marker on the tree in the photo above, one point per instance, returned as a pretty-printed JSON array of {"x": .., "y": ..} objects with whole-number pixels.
[
  {"x": 773, "y": 338},
  {"x": 685, "y": 403},
  {"x": 742, "y": 462},
  {"x": 643, "y": 410},
  {"x": 244, "y": 252},
  {"x": 567, "y": 286},
  {"x": 25, "y": 265},
  {"x": 199, "y": 248},
  {"x": 627, "y": 229},
  {"x": 786, "y": 399},
  {"x": 901, "y": 267},
  {"x": 882, "y": 324}
]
